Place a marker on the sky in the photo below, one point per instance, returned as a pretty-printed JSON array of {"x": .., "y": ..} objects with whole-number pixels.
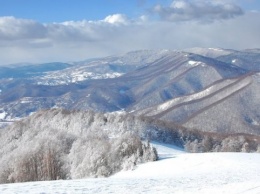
[{"x": 74, "y": 30}]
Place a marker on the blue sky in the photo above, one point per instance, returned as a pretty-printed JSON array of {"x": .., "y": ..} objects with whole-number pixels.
[
  {"x": 63, "y": 10},
  {"x": 71, "y": 30}
]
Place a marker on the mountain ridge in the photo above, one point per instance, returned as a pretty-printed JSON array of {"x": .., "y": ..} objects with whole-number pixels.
[{"x": 142, "y": 81}]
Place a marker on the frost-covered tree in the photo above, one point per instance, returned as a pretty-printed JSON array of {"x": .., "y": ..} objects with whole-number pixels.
[{"x": 60, "y": 144}]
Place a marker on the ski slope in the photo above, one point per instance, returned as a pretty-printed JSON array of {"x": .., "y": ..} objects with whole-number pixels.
[{"x": 175, "y": 172}]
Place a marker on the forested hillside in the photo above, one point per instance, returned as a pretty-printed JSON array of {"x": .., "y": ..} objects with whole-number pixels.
[
  {"x": 188, "y": 87},
  {"x": 61, "y": 144}
]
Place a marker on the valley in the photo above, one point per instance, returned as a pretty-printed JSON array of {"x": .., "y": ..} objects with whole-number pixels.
[{"x": 186, "y": 87}]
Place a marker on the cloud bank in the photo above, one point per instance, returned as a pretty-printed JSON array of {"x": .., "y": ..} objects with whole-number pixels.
[
  {"x": 215, "y": 25},
  {"x": 14, "y": 29},
  {"x": 203, "y": 11}
]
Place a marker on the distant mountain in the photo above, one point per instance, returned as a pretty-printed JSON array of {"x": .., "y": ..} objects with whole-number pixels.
[
  {"x": 208, "y": 89},
  {"x": 210, "y": 52},
  {"x": 248, "y": 59},
  {"x": 26, "y": 71}
]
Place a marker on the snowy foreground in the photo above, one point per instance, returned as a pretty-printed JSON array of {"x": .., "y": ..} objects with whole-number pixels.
[{"x": 175, "y": 172}]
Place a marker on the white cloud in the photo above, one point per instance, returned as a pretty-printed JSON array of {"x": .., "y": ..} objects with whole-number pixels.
[
  {"x": 116, "y": 19},
  {"x": 30, "y": 41},
  {"x": 15, "y": 29},
  {"x": 198, "y": 10},
  {"x": 12, "y": 28}
]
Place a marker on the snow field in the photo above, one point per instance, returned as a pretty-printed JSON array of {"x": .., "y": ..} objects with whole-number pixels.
[{"x": 175, "y": 172}]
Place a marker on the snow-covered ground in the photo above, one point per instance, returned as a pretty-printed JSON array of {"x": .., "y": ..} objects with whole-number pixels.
[
  {"x": 2, "y": 115},
  {"x": 175, "y": 172},
  {"x": 64, "y": 77}
]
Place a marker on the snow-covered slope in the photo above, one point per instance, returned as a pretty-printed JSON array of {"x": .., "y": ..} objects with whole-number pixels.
[
  {"x": 188, "y": 88},
  {"x": 210, "y": 52},
  {"x": 103, "y": 68},
  {"x": 175, "y": 172}
]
